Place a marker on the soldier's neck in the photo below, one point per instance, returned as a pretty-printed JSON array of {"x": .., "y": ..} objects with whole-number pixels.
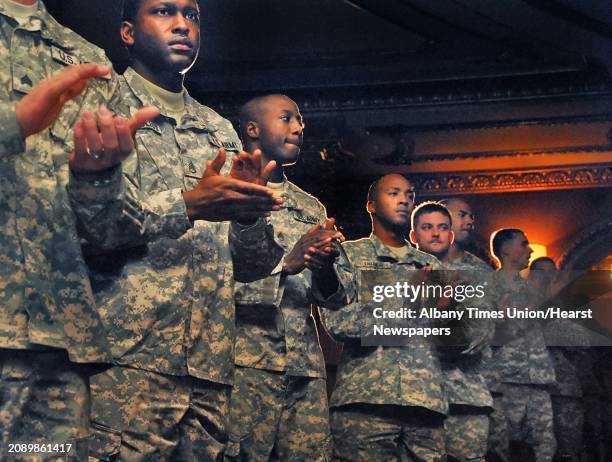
[
  {"x": 388, "y": 237},
  {"x": 444, "y": 258},
  {"x": 454, "y": 253},
  {"x": 509, "y": 270},
  {"x": 278, "y": 174},
  {"x": 169, "y": 80}
]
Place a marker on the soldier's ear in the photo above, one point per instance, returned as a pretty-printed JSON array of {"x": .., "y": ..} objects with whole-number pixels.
[
  {"x": 413, "y": 237},
  {"x": 127, "y": 33},
  {"x": 452, "y": 237},
  {"x": 252, "y": 130},
  {"x": 371, "y": 207}
]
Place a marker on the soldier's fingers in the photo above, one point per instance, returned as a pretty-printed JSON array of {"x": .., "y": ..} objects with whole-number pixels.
[
  {"x": 92, "y": 134},
  {"x": 72, "y": 92},
  {"x": 245, "y": 187},
  {"x": 313, "y": 229},
  {"x": 257, "y": 160},
  {"x": 80, "y": 143},
  {"x": 237, "y": 163},
  {"x": 218, "y": 162},
  {"x": 108, "y": 132},
  {"x": 330, "y": 223},
  {"x": 144, "y": 115},
  {"x": 267, "y": 171},
  {"x": 312, "y": 263},
  {"x": 124, "y": 137},
  {"x": 63, "y": 80}
]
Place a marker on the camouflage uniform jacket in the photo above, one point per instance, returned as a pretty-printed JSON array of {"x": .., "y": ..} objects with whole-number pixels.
[
  {"x": 275, "y": 328},
  {"x": 407, "y": 376},
  {"x": 522, "y": 357},
  {"x": 464, "y": 384},
  {"x": 166, "y": 289},
  {"x": 45, "y": 295},
  {"x": 567, "y": 380}
]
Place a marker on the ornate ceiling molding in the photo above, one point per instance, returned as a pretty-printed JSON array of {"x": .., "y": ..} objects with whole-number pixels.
[{"x": 513, "y": 181}]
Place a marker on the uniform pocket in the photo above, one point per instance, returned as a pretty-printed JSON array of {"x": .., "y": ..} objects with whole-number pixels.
[{"x": 105, "y": 442}]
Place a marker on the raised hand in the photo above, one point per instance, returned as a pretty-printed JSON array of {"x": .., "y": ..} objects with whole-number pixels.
[
  {"x": 249, "y": 167},
  {"x": 314, "y": 250},
  {"x": 101, "y": 144},
  {"x": 221, "y": 198},
  {"x": 41, "y": 107}
]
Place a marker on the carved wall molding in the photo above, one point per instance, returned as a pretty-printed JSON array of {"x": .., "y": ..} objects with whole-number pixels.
[
  {"x": 513, "y": 181},
  {"x": 513, "y": 153}
]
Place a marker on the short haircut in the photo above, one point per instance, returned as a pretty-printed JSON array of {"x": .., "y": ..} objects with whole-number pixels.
[
  {"x": 249, "y": 112},
  {"x": 429, "y": 207},
  {"x": 500, "y": 237},
  {"x": 130, "y": 10},
  {"x": 538, "y": 261},
  {"x": 373, "y": 191}
]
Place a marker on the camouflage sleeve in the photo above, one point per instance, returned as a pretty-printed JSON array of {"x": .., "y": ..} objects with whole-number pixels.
[
  {"x": 255, "y": 253},
  {"x": 112, "y": 212},
  {"x": 345, "y": 323},
  {"x": 11, "y": 140},
  {"x": 346, "y": 291}
]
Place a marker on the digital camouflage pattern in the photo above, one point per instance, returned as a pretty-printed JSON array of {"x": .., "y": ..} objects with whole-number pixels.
[
  {"x": 529, "y": 416},
  {"x": 466, "y": 436},
  {"x": 275, "y": 328},
  {"x": 45, "y": 296},
  {"x": 408, "y": 376},
  {"x": 166, "y": 287},
  {"x": 525, "y": 372},
  {"x": 464, "y": 384},
  {"x": 367, "y": 433},
  {"x": 277, "y": 342},
  {"x": 47, "y": 311},
  {"x": 522, "y": 356},
  {"x": 44, "y": 400},
  {"x": 278, "y": 417},
  {"x": 568, "y": 420},
  {"x": 567, "y": 403},
  {"x": 470, "y": 401},
  {"x": 135, "y": 415},
  {"x": 498, "y": 444}
]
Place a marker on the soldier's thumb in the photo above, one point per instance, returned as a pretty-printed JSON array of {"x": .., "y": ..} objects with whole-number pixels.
[{"x": 144, "y": 115}]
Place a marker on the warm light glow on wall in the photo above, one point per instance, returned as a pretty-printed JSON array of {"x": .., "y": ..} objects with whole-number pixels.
[{"x": 539, "y": 250}]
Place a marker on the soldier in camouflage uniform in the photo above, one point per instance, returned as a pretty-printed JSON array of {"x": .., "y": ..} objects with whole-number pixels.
[
  {"x": 166, "y": 286},
  {"x": 388, "y": 404},
  {"x": 279, "y": 407},
  {"x": 50, "y": 330},
  {"x": 522, "y": 361},
  {"x": 469, "y": 399},
  {"x": 566, "y": 392}
]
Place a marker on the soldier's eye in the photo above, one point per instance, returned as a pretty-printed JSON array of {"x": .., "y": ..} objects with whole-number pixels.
[{"x": 193, "y": 16}]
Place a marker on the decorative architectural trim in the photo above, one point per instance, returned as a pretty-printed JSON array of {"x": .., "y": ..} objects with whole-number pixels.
[
  {"x": 512, "y": 153},
  {"x": 513, "y": 181}
]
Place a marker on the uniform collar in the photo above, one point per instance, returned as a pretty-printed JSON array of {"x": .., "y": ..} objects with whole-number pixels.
[
  {"x": 383, "y": 252},
  {"x": 196, "y": 116},
  {"x": 49, "y": 28}
]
